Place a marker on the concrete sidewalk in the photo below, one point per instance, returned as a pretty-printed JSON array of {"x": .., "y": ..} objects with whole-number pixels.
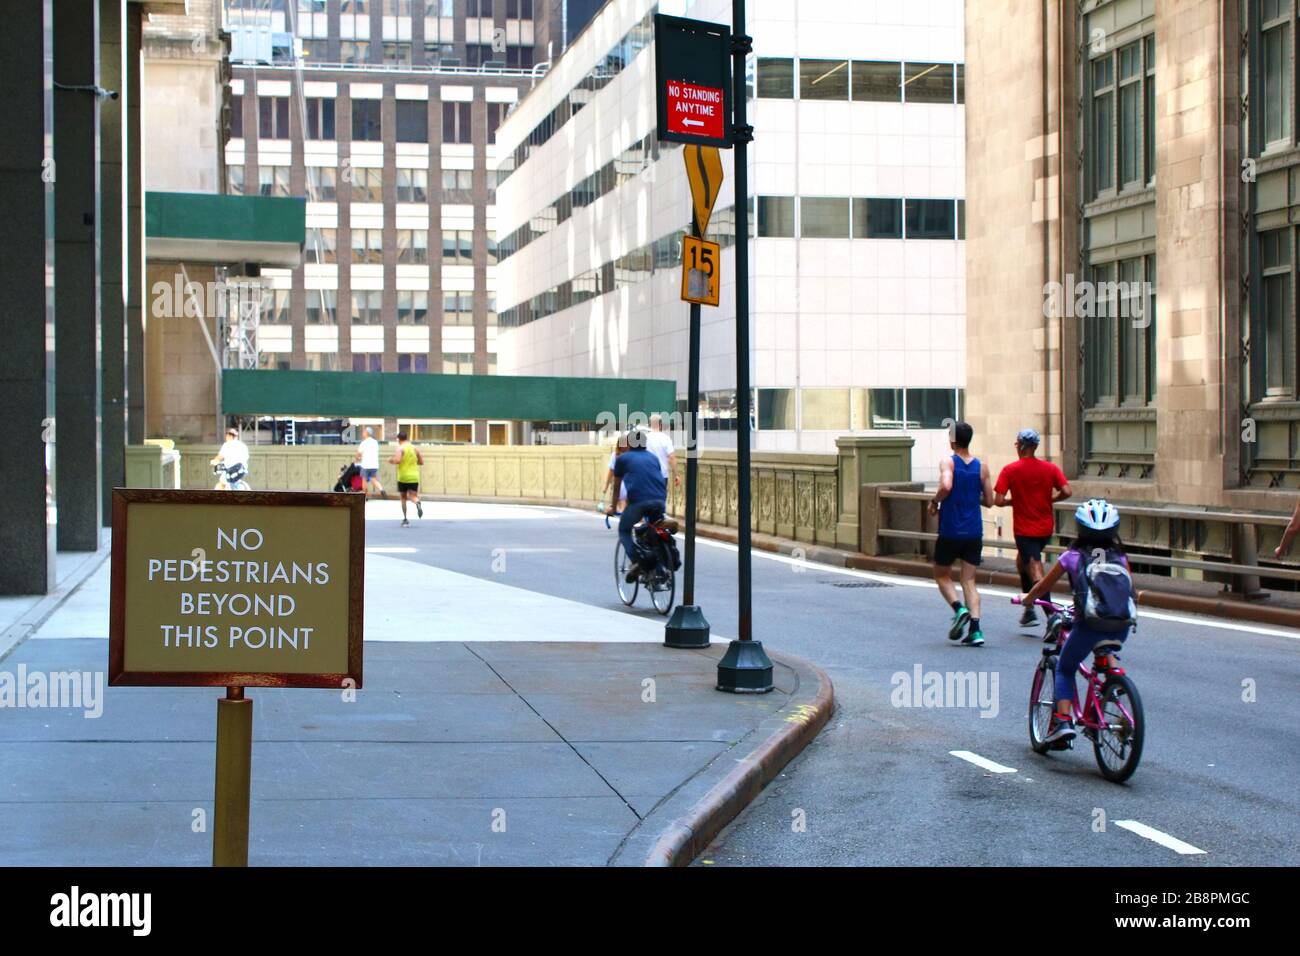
[{"x": 505, "y": 728}]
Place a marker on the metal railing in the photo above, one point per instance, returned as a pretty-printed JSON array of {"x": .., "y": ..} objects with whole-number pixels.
[{"x": 1237, "y": 532}]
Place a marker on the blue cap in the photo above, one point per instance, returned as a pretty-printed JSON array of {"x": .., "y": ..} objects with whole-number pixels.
[{"x": 1027, "y": 436}]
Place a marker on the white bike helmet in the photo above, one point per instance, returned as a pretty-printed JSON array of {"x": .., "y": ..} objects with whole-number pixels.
[{"x": 1097, "y": 514}]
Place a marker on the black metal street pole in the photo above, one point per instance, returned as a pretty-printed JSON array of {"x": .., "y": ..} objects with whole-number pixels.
[
  {"x": 745, "y": 668},
  {"x": 688, "y": 627}
]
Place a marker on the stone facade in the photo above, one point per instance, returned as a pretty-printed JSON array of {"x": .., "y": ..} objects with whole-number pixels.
[{"x": 1028, "y": 226}]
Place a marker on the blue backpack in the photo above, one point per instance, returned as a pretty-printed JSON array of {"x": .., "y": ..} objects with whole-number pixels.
[{"x": 1103, "y": 592}]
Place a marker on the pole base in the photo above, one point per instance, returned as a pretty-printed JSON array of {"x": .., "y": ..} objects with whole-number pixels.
[
  {"x": 745, "y": 669},
  {"x": 687, "y": 627}
]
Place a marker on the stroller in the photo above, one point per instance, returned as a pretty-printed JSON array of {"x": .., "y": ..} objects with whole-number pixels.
[{"x": 350, "y": 479}]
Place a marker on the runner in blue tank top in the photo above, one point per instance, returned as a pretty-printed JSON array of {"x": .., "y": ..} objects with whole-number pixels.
[{"x": 964, "y": 485}]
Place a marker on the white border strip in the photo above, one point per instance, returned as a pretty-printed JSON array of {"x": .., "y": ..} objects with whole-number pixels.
[{"x": 982, "y": 762}]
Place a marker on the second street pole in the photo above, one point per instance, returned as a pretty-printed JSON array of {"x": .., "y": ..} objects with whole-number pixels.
[
  {"x": 745, "y": 667},
  {"x": 688, "y": 627}
]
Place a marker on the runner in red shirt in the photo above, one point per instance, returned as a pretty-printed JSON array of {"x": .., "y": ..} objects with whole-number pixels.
[{"x": 1035, "y": 485}]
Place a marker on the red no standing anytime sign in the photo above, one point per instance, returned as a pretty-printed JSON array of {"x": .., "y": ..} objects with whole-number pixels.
[{"x": 695, "y": 110}]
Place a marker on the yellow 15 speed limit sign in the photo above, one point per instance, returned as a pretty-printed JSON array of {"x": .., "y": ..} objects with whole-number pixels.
[{"x": 701, "y": 266}]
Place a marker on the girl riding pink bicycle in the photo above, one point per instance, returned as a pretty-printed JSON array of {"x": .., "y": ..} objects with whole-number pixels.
[{"x": 1104, "y": 610}]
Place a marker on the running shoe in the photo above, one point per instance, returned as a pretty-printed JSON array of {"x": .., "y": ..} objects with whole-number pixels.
[
  {"x": 1061, "y": 732},
  {"x": 958, "y": 623},
  {"x": 405, "y": 523},
  {"x": 1030, "y": 617},
  {"x": 419, "y": 512},
  {"x": 974, "y": 639}
]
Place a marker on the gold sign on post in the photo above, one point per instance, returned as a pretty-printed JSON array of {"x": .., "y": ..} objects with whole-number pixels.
[
  {"x": 701, "y": 261},
  {"x": 704, "y": 171},
  {"x": 224, "y": 589},
  {"x": 236, "y": 589}
]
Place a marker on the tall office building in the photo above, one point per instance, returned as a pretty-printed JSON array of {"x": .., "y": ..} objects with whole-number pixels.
[
  {"x": 857, "y": 262},
  {"x": 384, "y": 114}
]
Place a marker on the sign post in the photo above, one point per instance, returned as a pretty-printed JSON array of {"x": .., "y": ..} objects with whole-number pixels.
[
  {"x": 693, "y": 99},
  {"x": 688, "y": 626},
  {"x": 745, "y": 667},
  {"x": 235, "y": 590}
]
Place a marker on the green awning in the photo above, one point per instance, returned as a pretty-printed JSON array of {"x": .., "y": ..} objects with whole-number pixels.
[
  {"x": 422, "y": 395},
  {"x": 206, "y": 227}
]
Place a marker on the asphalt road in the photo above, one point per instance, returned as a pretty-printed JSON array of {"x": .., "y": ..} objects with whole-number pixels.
[{"x": 881, "y": 785}]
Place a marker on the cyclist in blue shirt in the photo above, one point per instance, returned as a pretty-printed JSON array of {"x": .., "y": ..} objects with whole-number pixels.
[{"x": 638, "y": 473}]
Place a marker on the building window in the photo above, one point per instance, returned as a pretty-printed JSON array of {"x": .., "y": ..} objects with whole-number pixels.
[
  {"x": 877, "y": 219},
  {"x": 320, "y": 118},
  {"x": 273, "y": 180},
  {"x": 496, "y": 112},
  {"x": 776, "y": 217},
  {"x": 1149, "y": 109},
  {"x": 519, "y": 57},
  {"x": 412, "y": 185},
  {"x": 413, "y": 246},
  {"x": 823, "y": 218},
  {"x": 877, "y": 82},
  {"x": 1101, "y": 145},
  {"x": 961, "y": 84},
  {"x": 321, "y": 245},
  {"x": 519, "y": 9},
  {"x": 927, "y": 83},
  {"x": 397, "y": 54},
  {"x": 1275, "y": 70},
  {"x": 315, "y": 50},
  {"x": 458, "y": 308},
  {"x": 237, "y": 116},
  {"x": 367, "y": 184},
  {"x": 397, "y": 8},
  {"x": 412, "y": 308},
  {"x": 1130, "y": 114},
  {"x": 368, "y": 308},
  {"x": 273, "y": 117},
  {"x": 367, "y": 361},
  {"x": 456, "y": 123},
  {"x": 457, "y": 246},
  {"x": 235, "y": 180},
  {"x": 457, "y": 181},
  {"x": 824, "y": 79},
  {"x": 1119, "y": 333},
  {"x": 775, "y": 78},
  {"x": 412, "y": 121},
  {"x": 323, "y": 183},
  {"x": 1278, "y": 330},
  {"x": 365, "y": 121},
  {"x": 275, "y": 307},
  {"x": 931, "y": 219},
  {"x": 458, "y": 363},
  {"x": 478, "y": 8},
  {"x": 322, "y": 306},
  {"x": 321, "y": 361},
  {"x": 354, "y": 51},
  {"x": 412, "y": 362},
  {"x": 367, "y": 245},
  {"x": 776, "y": 409}
]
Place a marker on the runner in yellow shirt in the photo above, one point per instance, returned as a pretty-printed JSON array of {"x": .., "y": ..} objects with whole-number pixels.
[{"x": 408, "y": 460}]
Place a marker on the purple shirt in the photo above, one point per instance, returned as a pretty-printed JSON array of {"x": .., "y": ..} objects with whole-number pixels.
[{"x": 1070, "y": 561}]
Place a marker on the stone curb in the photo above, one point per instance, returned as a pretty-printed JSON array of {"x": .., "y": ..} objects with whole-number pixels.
[{"x": 698, "y": 811}]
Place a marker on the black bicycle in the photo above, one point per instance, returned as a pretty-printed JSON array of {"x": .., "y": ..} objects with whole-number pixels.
[{"x": 655, "y": 537}]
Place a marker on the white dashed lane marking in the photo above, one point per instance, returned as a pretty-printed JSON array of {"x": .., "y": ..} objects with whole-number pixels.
[
  {"x": 1159, "y": 836},
  {"x": 982, "y": 762}
]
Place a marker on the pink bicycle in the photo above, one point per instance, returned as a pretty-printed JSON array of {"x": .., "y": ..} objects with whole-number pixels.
[{"x": 1111, "y": 715}]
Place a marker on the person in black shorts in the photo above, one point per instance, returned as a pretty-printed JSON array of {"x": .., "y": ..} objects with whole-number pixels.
[{"x": 964, "y": 486}]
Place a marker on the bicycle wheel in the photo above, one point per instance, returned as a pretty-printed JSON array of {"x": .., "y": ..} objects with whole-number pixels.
[
  {"x": 626, "y": 591},
  {"x": 663, "y": 582},
  {"x": 1042, "y": 702},
  {"x": 1118, "y": 745}
]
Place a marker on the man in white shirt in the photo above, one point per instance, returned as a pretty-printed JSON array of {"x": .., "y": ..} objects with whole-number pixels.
[
  {"x": 660, "y": 443},
  {"x": 233, "y": 456},
  {"x": 368, "y": 461}
]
